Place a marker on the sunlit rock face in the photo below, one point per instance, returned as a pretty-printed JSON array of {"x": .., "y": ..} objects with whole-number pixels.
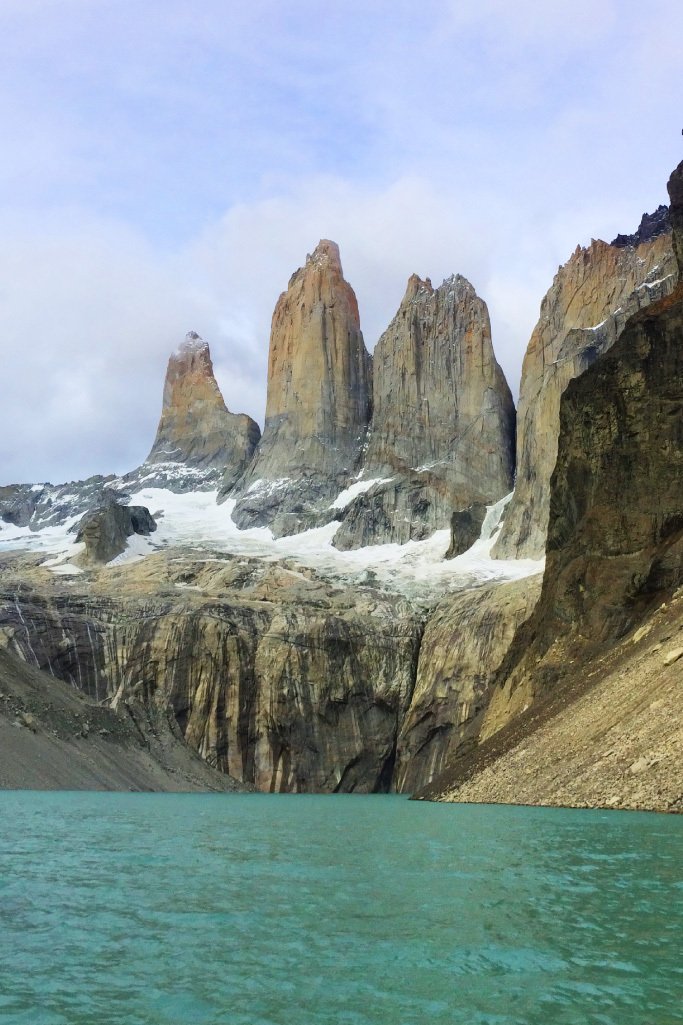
[
  {"x": 319, "y": 400},
  {"x": 196, "y": 427},
  {"x": 443, "y": 424},
  {"x": 582, "y": 315}
]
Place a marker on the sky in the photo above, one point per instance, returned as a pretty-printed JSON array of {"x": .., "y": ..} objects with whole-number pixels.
[{"x": 167, "y": 165}]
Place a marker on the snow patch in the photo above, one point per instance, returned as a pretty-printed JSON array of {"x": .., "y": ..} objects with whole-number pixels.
[
  {"x": 653, "y": 284},
  {"x": 137, "y": 548},
  {"x": 347, "y": 496},
  {"x": 261, "y": 488}
]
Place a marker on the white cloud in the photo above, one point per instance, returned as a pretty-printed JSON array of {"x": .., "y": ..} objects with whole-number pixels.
[{"x": 167, "y": 168}]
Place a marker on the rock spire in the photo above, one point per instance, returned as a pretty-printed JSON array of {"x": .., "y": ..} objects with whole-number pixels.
[
  {"x": 196, "y": 427},
  {"x": 319, "y": 372},
  {"x": 319, "y": 393},
  {"x": 443, "y": 425}
]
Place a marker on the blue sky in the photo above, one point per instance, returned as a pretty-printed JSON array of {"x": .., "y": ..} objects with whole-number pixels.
[{"x": 167, "y": 165}]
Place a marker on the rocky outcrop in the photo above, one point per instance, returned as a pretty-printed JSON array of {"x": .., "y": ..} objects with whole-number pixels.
[
  {"x": 105, "y": 531},
  {"x": 443, "y": 425},
  {"x": 319, "y": 398},
  {"x": 582, "y": 315},
  {"x": 271, "y": 674},
  {"x": 466, "y": 527},
  {"x": 196, "y": 427},
  {"x": 464, "y": 643}
]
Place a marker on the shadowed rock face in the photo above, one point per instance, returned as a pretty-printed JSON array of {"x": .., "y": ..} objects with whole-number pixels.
[
  {"x": 53, "y": 738},
  {"x": 443, "y": 426},
  {"x": 319, "y": 398},
  {"x": 651, "y": 225},
  {"x": 196, "y": 427},
  {"x": 466, "y": 527},
  {"x": 582, "y": 315},
  {"x": 615, "y": 536}
]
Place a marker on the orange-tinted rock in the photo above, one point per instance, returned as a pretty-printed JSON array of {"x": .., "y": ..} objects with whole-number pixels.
[
  {"x": 196, "y": 427},
  {"x": 319, "y": 373},
  {"x": 319, "y": 398}
]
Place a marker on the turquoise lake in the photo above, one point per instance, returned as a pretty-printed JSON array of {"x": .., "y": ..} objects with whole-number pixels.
[{"x": 146, "y": 909}]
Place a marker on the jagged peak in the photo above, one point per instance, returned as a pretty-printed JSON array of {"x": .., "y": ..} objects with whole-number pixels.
[
  {"x": 457, "y": 282},
  {"x": 326, "y": 252},
  {"x": 191, "y": 343},
  {"x": 651, "y": 225},
  {"x": 421, "y": 290},
  {"x": 324, "y": 258},
  {"x": 418, "y": 288}
]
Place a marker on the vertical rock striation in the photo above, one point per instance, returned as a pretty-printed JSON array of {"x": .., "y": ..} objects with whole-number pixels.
[
  {"x": 465, "y": 641},
  {"x": 271, "y": 675},
  {"x": 443, "y": 425},
  {"x": 582, "y": 315},
  {"x": 319, "y": 399},
  {"x": 196, "y": 427},
  {"x": 615, "y": 536}
]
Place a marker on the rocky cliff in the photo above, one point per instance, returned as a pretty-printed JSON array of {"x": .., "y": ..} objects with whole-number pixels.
[
  {"x": 272, "y": 674},
  {"x": 582, "y": 315},
  {"x": 465, "y": 641},
  {"x": 53, "y": 738},
  {"x": 196, "y": 428},
  {"x": 603, "y": 632},
  {"x": 443, "y": 425},
  {"x": 319, "y": 399}
]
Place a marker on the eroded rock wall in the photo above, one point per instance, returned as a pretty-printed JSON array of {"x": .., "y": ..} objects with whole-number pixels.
[
  {"x": 591, "y": 299},
  {"x": 274, "y": 678},
  {"x": 465, "y": 641}
]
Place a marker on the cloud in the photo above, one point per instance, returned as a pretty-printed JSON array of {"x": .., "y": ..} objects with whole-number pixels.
[
  {"x": 167, "y": 168},
  {"x": 91, "y": 310}
]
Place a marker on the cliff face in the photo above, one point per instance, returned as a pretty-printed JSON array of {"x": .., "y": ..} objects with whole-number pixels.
[
  {"x": 272, "y": 676},
  {"x": 595, "y": 667},
  {"x": 582, "y": 315},
  {"x": 464, "y": 643},
  {"x": 615, "y": 538},
  {"x": 196, "y": 427},
  {"x": 53, "y": 738},
  {"x": 443, "y": 425},
  {"x": 319, "y": 397}
]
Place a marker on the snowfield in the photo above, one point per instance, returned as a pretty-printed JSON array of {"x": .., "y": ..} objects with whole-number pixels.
[{"x": 194, "y": 519}]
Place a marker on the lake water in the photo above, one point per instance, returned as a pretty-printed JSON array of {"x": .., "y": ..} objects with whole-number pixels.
[{"x": 136, "y": 909}]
